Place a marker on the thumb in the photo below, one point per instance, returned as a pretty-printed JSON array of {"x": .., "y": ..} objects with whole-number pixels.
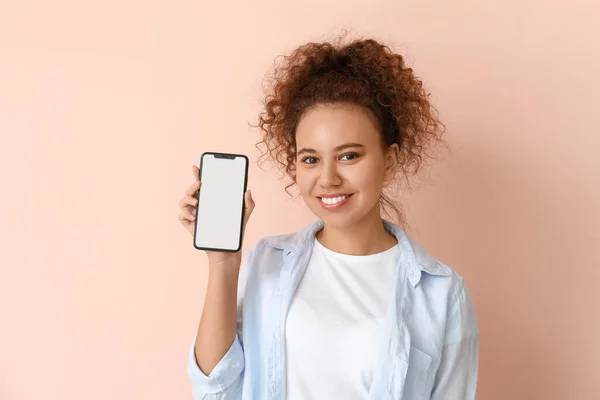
[{"x": 248, "y": 207}]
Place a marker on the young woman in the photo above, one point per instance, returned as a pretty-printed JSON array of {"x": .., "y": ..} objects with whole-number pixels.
[{"x": 349, "y": 307}]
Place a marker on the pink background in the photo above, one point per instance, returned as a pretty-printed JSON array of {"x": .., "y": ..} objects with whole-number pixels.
[{"x": 105, "y": 105}]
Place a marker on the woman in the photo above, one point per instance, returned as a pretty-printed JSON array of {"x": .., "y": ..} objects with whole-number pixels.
[{"x": 349, "y": 307}]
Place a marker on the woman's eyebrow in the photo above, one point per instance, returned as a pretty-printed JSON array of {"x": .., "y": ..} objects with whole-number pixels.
[{"x": 335, "y": 149}]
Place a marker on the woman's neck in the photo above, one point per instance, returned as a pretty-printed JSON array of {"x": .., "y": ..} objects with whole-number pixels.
[{"x": 368, "y": 236}]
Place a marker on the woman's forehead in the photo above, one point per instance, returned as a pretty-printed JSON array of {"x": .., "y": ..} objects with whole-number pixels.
[{"x": 332, "y": 126}]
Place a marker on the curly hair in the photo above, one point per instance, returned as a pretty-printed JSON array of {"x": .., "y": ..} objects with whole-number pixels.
[{"x": 363, "y": 72}]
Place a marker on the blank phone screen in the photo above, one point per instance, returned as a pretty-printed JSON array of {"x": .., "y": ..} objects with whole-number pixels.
[{"x": 220, "y": 202}]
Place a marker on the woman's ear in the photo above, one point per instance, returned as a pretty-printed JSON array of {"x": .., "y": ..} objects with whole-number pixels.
[{"x": 391, "y": 161}]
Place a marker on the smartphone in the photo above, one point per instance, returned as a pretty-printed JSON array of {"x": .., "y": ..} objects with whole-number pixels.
[{"x": 220, "y": 209}]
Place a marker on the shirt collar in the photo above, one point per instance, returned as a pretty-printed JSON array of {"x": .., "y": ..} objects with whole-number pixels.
[{"x": 419, "y": 260}]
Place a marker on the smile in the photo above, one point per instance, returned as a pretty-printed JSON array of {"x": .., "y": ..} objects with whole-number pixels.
[{"x": 334, "y": 202}]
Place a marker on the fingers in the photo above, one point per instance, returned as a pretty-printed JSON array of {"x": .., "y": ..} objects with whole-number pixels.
[
  {"x": 188, "y": 201},
  {"x": 192, "y": 190},
  {"x": 196, "y": 172},
  {"x": 185, "y": 216}
]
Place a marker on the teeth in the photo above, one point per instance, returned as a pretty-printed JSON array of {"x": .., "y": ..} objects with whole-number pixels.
[{"x": 333, "y": 200}]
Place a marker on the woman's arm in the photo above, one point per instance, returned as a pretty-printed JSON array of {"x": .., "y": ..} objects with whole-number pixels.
[
  {"x": 218, "y": 322},
  {"x": 216, "y": 358},
  {"x": 456, "y": 377}
]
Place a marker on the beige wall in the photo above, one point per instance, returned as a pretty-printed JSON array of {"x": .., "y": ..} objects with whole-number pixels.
[{"x": 105, "y": 105}]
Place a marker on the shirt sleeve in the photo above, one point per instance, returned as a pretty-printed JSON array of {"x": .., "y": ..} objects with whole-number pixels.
[
  {"x": 456, "y": 377},
  {"x": 225, "y": 380}
]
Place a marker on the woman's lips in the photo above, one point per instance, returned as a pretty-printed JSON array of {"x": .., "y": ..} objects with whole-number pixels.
[{"x": 332, "y": 203}]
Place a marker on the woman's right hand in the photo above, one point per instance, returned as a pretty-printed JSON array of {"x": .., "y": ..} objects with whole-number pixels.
[{"x": 187, "y": 217}]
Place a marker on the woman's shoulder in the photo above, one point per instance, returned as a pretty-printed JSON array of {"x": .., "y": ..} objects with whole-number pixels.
[
  {"x": 273, "y": 247},
  {"x": 433, "y": 276},
  {"x": 292, "y": 241}
]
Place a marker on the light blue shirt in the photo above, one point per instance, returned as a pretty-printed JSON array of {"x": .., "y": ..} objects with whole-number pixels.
[{"x": 430, "y": 342}]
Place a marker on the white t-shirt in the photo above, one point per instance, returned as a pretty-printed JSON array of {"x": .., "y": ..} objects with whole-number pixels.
[{"x": 334, "y": 323}]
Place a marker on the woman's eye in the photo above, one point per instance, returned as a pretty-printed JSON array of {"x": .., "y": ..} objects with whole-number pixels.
[
  {"x": 350, "y": 156},
  {"x": 306, "y": 160},
  {"x": 344, "y": 157}
]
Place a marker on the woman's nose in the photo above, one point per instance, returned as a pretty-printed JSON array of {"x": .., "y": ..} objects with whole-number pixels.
[{"x": 329, "y": 176}]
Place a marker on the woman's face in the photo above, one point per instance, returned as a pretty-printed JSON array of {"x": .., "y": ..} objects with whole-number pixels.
[{"x": 341, "y": 167}]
